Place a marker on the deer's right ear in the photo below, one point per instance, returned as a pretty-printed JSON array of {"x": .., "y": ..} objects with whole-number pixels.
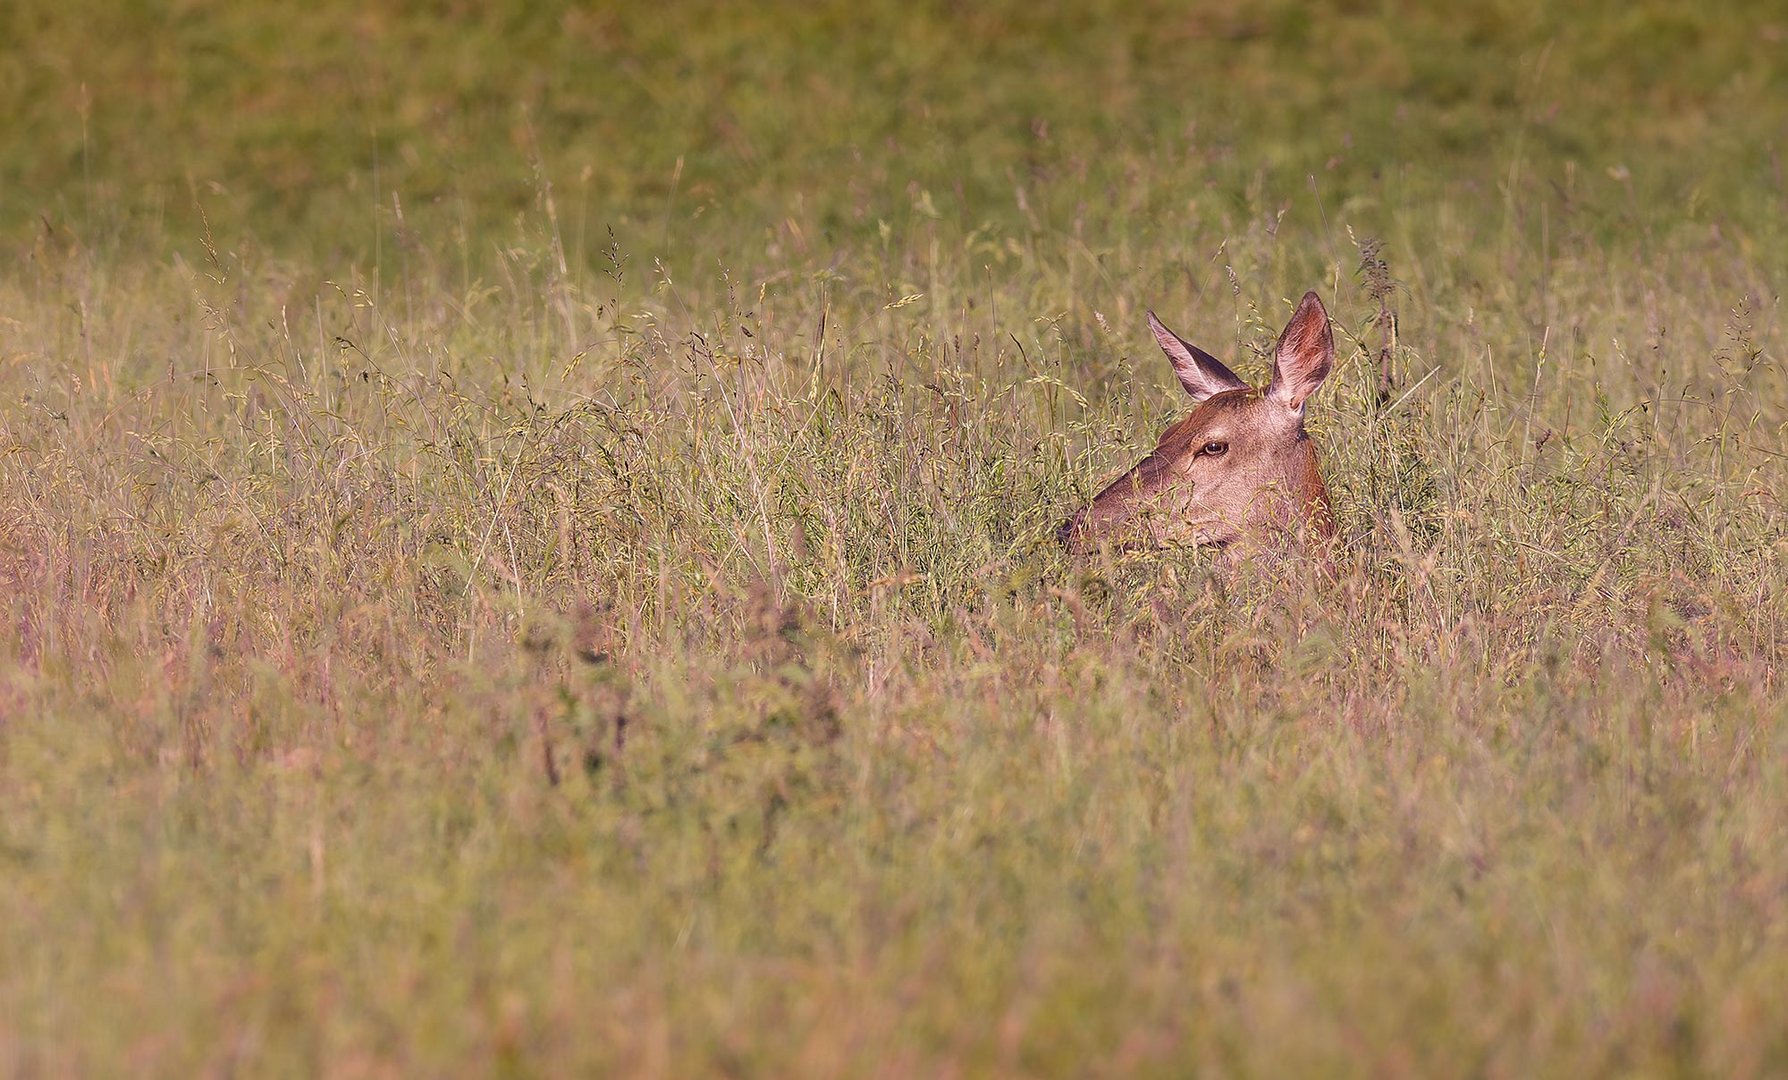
[
  {"x": 1200, "y": 373},
  {"x": 1305, "y": 352}
]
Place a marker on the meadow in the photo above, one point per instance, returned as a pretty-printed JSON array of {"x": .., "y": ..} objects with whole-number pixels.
[{"x": 527, "y": 541}]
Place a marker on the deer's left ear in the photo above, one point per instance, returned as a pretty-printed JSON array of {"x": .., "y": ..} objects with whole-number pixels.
[{"x": 1304, "y": 355}]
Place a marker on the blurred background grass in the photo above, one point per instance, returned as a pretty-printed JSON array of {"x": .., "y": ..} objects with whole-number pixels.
[
  {"x": 524, "y": 540},
  {"x": 301, "y": 128}
]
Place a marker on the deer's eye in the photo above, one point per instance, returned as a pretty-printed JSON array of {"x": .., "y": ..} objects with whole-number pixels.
[{"x": 1213, "y": 449}]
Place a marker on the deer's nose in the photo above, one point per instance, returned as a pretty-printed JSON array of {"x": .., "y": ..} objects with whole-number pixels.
[{"x": 1064, "y": 533}]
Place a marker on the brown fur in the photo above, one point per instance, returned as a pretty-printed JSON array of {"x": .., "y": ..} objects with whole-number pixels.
[{"x": 1264, "y": 484}]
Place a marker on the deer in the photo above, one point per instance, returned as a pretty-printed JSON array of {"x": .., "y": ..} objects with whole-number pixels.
[{"x": 1238, "y": 472}]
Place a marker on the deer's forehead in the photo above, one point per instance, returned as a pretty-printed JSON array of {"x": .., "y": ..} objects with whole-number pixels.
[{"x": 1220, "y": 417}]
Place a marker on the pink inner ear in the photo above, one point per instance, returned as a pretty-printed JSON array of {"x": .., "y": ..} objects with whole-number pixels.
[
  {"x": 1199, "y": 372},
  {"x": 1305, "y": 353}
]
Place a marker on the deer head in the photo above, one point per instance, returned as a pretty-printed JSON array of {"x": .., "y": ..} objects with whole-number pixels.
[{"x": 1238, "y": 468}]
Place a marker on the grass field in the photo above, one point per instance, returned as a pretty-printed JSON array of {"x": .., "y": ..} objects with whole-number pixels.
[{"x": 526, "y": 541}]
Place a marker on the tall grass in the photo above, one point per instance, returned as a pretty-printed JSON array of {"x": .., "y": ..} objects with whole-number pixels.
[{"x": 592, "y": 606}]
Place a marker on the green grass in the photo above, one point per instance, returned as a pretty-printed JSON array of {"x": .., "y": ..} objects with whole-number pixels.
[{"x": 525, "y": 542}]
